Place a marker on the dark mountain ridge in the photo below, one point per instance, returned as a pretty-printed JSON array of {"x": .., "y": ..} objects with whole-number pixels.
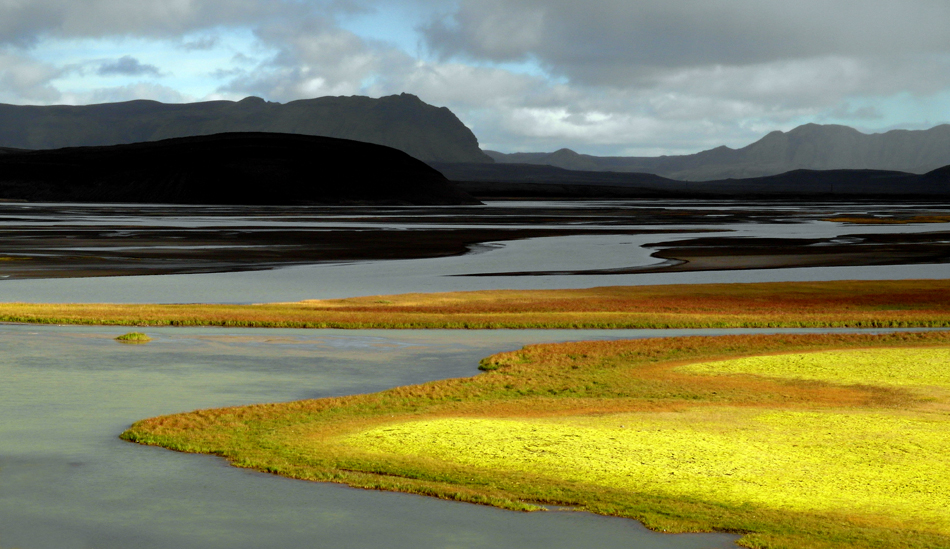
[
  {"x": 229, "y": 168},
  {"x": 812, "y": 146},
  {"x": 403, "y": 122},
  {"x": 539, "y": 181}
]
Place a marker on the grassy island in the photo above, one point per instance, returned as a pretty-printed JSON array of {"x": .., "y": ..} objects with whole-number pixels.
[
  {"x": 858, "y": 304},
  {"x": 133, "y": 337},
  {"x": 792, "y": 441}
]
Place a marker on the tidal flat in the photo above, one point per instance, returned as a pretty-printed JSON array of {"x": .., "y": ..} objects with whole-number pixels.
[{"x": 625, "y": 428}]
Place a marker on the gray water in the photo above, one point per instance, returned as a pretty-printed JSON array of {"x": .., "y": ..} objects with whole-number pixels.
[
  {"x": 326, "y": 281},
  {"x": 68, "y": 482},
  {"x": 337, "y": 280}
]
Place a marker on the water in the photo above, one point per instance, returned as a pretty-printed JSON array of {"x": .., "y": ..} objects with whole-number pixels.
[
  {"x": 380, "y": 277},
  {"x": 67, "y": 481}
]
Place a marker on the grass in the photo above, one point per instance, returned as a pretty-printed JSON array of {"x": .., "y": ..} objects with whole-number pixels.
[
  {"x": 133, "y": 337},
  {"x": 890, "y": 367},
  {"x": 894, "y": 303},
  {"x": 793, "y": 460}
]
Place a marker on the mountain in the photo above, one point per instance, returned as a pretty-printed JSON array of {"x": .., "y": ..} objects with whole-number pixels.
[
  {"x": 487, "y": 181},
  {"x": 403, "y": 122},
  {"x": 228, "y": 168},
  {"x": 810, "y": 147}
]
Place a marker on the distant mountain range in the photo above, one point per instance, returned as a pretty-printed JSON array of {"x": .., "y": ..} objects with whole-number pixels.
[
  {"x": 811, "y": 147},
  {"x": 228, "y": 168},
  {"x": 526, "y": 181},
  {"x": 402, "y": 122}
]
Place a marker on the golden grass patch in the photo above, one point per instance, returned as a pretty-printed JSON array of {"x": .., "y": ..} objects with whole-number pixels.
[
  {"x": 868, "y": 304},
  {"x": 878, "y": 464},
  {"x": 889, "y": 367},
  {"x": 869, "y": 220}
]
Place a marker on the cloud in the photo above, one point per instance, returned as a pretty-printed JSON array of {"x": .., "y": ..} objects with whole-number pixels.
[
  {"x": 313, "y": 57},
  {"x": 139, "y": 90},
  {"x": 202, "y": 43},
  {"x": 605, "y": 77},
  {"x": 24, "y": 22},
  {"x": 618, "y": 41},
  {"x": 26, "y": 80},
  {"x": 655, "y": 75},
  {"x": 127, "y": 66}
]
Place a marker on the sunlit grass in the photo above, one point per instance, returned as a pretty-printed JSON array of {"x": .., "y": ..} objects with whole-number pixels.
[
  {"x": 886, "y": 464},
  {"x": 898, "y": 367},
  {"x": 619, "y": 428},
  {"x": 869, "y": 304}
]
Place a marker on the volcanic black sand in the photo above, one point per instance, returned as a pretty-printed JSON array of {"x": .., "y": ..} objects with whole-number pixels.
[{"x": 52, "y": 241}]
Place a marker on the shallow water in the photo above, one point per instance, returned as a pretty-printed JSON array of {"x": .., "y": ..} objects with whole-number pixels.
[
  {"x": 67, "y": 481},
  {"x": 378, "y": 277}
]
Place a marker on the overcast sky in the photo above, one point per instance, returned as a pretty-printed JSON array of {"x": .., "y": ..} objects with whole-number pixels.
[{"x": 615, "y": 77}]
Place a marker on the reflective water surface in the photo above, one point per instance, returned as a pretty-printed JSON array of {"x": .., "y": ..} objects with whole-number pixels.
[
  {"x": 67, "y": 481},
  {"x": 144, "y": 233}
]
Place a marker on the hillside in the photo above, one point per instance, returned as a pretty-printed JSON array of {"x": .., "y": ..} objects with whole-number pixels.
[
  {"x": 501, "y": 180},
  {"x": 230, "y": 168},
  {"x": 403, "y": 122},
  {"x": 810, "y": 147}
]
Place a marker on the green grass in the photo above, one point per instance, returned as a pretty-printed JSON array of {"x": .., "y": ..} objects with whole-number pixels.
[
  {"x": 619, "y": 428},
  {"x": 133, "y": 337}
]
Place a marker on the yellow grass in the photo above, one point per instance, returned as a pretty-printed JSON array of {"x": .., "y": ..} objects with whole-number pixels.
[
  {"x": 895, "y": 303},
  {"x": 868, "y": 220},
  {"x": 622, "y": 428},
  {"x": 892, "y": 367},
  {"x": 889, "y": 464}
]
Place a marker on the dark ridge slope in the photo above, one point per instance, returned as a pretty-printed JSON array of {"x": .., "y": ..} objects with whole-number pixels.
[
  {"x": 403, "y": 122},
  {"x": 525, "y": 180},
  {"x": 230, "y": 168}
]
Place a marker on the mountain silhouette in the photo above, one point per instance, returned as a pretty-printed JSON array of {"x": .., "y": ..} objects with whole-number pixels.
[
  {"x": 808, "y": 147},
  {"x": 402, "y": 122},
  {"x": 228, "y": 168}
]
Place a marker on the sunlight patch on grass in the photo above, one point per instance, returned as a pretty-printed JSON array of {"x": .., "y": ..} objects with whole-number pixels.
[
  {"x": 892, "y": 367},
  {"x": 891, "y": 465}
]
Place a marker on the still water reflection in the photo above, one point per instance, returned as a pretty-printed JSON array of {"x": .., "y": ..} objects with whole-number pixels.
[{"x": 67, "y": 481}]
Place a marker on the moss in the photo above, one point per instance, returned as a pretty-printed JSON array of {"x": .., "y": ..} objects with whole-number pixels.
[{"x": 133, "y": 337}]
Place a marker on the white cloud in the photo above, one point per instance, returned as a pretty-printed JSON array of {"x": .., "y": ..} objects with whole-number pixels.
[
  {"x": 139, "y": 90},
  {"x": 25, "y": 80}
]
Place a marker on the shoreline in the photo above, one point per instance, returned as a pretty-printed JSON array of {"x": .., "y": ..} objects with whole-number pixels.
[
  {"x": 844, "y": 304},
  {"x": 552, "y": 383}
]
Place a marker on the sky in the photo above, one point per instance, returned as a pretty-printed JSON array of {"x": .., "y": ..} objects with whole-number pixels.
[{"x": 605, "y": 77}]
